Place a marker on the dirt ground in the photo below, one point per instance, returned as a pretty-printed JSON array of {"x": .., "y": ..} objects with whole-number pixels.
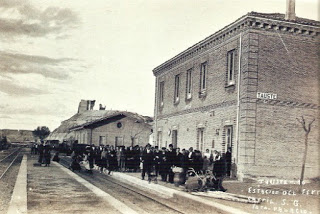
[
  {"x": 284, "y": 198},
  {"x": 52, "y": 191}
]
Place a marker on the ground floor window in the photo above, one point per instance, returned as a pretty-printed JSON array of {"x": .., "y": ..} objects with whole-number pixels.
[
  {"x": 118, "y": 141},
  {"x": 102, "y": 140},
  {"x": 200, "y": 139}
]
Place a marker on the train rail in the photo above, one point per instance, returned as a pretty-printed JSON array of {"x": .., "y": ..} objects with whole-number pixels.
[
  {"x": 7, "y": 162},
  {"x": 17, "y": 150},
  {"x": 122, "y": 188}
]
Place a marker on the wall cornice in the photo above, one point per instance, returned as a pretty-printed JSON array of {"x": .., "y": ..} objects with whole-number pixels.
[
  {"x": 250, "y": 21},
  {"x": 198, "y": 109}
]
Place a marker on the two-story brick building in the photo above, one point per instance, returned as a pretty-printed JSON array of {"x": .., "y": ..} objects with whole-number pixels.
[{"x": 244, "y": 87}]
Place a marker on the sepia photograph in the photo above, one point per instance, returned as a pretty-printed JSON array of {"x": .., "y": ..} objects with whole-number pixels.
[{"x": 159, "y": 106}]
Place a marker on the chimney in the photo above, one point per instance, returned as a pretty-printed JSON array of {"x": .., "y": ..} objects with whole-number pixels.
[
  {"x": 290, "y": 15},
  {"x": 86, "y": 105},
  {"x": 101, "y": 107}
]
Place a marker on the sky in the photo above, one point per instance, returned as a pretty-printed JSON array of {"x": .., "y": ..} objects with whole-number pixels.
[{"x": 53, "y": 53}]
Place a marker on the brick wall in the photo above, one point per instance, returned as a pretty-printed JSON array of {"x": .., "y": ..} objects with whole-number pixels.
[
  {"x": 212, "y": 122},
  {"x": 216, "y": 92},
  {"x": 287, "y": 65},
  {"x": 275, "y": 58}
]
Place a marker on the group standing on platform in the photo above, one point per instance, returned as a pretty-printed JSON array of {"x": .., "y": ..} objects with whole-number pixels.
[
  {"x": 171, "y": 164},
  {"x": 44, "y": 151}
]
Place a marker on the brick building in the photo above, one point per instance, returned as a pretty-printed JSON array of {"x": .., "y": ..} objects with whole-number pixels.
[{"x": 244, "y": 87}]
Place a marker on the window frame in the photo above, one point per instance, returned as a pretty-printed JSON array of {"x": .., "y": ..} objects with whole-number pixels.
[
  {"x": 176, "y": 97},
  {"x": 189, "y": 84},
  {"x": 161, "y": 94},
  {"x": 203, "y": 78},
  {"x": 231, "y": 67}
]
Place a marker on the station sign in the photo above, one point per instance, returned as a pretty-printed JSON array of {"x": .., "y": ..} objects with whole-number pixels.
[{"x": 266, "y": 96}]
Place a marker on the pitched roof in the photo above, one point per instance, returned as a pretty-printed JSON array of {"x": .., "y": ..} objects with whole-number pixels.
[
  {"x": 140, "y": 118},
  {"x": 63, "y": 132}
]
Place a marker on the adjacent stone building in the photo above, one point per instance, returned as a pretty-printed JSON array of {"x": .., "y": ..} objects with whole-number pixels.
[
  {"x": 244, "y": 88},
  {"x": 118, "y": 128},
  {"x": 103, "y": 127}
]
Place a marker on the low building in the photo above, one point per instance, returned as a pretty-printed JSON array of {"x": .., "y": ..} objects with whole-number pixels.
[
  {"x": 117, "y": 129},
  {"x": 102, "y": 127},
  {"x": 243, "y": 88}
]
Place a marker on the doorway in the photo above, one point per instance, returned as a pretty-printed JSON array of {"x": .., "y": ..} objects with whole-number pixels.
[
  {"x": 228, "y": 148},
  {"x": 174, "y": 138}
]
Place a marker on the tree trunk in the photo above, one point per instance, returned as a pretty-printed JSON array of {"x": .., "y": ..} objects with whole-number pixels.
[{"x": 304, "y": 157}]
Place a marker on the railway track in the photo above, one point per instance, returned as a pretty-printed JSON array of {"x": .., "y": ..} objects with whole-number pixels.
[
  {"x": 7, "y": 162},
  {"x": 123, "y": 190},
  {"x": 16, "y": 150}
]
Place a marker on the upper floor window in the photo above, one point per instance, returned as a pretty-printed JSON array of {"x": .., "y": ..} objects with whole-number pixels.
[
  {"x": 230, "y": 67},
  {"x": 161, "y": 93},
  {"x": 189, "y": 84},
  {"x": 203, "y": 76},
  {"x": 176, "y": 88}
]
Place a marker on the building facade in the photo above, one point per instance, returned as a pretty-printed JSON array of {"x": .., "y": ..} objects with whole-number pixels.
[
  {"x": 243, "y": 88},
  {"x": 117, "y": 129},
  {"x": 103, "y": 127}
]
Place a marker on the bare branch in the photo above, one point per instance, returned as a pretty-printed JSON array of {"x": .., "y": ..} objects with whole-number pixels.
[
  {"x": 309, "y": 126},
  {"x": 299, "y": 120},
  {"x": 303, "y": 123}
]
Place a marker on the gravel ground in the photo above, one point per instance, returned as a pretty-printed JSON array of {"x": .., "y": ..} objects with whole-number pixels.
[{"x": 50, "y": 190}]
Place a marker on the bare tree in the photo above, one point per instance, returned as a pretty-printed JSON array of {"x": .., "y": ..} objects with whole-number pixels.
[
  {"x": 133, "y": 136},
  {"x": 307, "y": 129}
]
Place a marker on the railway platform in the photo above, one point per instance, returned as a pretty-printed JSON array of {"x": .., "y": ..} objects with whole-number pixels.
[{"x": 56, "y": 189}]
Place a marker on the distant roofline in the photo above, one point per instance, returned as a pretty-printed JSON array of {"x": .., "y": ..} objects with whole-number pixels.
[
  {"x": 15, "y": 130},
  {"x": 240, "y": 26}
]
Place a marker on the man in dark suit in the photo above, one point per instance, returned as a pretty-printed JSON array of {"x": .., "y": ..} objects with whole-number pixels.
[
  {"x": 147, "y": 161},
  {"x": 191, "y": 158},
  {"x": 219, "y": 171},
  {"x": 171, "y": 156},
  {"x": 157, "y": 155},
  {"x": 41, "y": 150}
]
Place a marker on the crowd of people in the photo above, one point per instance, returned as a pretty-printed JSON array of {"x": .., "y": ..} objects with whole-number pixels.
[
  {"x": 44, "y": 151},
  {"x": 171, "y": 164},
  {"x": 153, "y": 162}
]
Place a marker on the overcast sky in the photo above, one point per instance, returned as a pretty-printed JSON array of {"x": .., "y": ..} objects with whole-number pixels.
[{"x": 56, "y": 52}]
